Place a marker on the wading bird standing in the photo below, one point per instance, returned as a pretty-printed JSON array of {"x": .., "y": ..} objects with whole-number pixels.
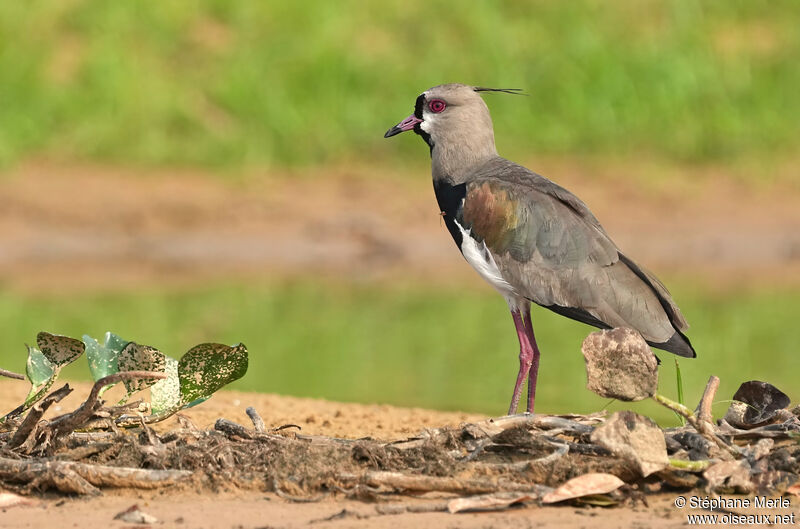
[{"x": 530, "y": 238}]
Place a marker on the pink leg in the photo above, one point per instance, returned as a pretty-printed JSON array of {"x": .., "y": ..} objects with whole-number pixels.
[
  {"x": 534, "y": 369},
  {"x": 526, "y": 355}
]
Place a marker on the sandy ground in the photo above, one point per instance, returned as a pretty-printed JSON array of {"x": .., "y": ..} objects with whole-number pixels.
[
  {"x": 83, "y": 227},
  {"x": 262, "y": 511},
  {"x": 313, "y": 416},
  {"x": 234, "y": 509}
]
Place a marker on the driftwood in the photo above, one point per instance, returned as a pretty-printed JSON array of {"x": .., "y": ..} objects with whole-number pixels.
[{"x": 82, "y": 478}]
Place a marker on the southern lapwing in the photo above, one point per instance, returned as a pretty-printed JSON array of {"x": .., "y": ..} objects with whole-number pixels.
[{"x": 530, "y": 238}]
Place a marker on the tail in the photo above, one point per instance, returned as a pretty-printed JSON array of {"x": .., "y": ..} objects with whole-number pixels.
[{"x": 679, "y": 343}]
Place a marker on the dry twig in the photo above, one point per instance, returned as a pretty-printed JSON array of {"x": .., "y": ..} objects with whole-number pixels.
[
  {"x": 421, "y": 483},
  {"x": 232, "y": 429},
  {"x": 66, "y": 424},
  {"x": 11, "y": 374},
  {"x": 28, "y": 426},
  {"x": 703, "y": 410},
  {"x": 258, "y": 422},
  {"x": 703, "y": 428}
]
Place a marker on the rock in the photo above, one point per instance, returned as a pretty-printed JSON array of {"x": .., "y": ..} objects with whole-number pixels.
[
  {"x": 620, "y": 365},
  {"x": 729, "y": 476},
  {"x": 679, "y": 479},
  {"x": 762, "y": 448},
  {"x": 697, "y": 446},
  {"x": 634, "y": 438},
  {"x": 763, "y": 401},
  {"x": 135, "y": 515},
  {"x": 735, "y": 415},
  {"x": 773, "y": 482}
]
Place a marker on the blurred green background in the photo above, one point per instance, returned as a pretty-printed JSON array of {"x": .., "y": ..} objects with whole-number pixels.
[
  {"x": 226, "y": 84},
  {"x": 226, "y": 87},
  {"x": 446, "y": 348}
]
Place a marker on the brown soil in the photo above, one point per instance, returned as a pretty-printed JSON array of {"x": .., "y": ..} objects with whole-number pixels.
[
  {"x": 83, "y": 227},
  {"x": 236, "y": 510},
  {"x": 220, "y": 503},
  {"x": 229, "y": 489}
]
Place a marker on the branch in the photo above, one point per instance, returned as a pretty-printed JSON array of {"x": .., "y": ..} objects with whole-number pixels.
[
  {"x": 703, "y": 410},
  {"x": 703, "y": 428},
  {"x": 258, "y": 422},
  {"x": 66, "y": 424},
  {"x": 11, "y": 374},
  {"x": 421, "y": 483},
  {"x": 232, "y": 429},
  {"x": 28, "y": 425}
]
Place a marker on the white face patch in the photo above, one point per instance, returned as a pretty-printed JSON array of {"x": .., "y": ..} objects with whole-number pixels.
[{"x": 428, "y": 121}]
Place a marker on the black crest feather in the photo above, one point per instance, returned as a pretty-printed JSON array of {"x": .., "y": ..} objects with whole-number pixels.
[{"x": 512, "y": 91}]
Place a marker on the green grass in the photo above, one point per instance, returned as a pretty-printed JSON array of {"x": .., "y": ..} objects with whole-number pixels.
[
  {"x": 239, "y": 84},
  {"x": 414, "y": 347}
]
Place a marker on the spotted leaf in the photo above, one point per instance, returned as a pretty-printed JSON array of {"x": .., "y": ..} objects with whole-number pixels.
[
  {"x": 207, "y": 367},
  {"x": 137, "y": 357},
  {"x": 59, "y": 350},
  {"x": 165, "y": 395}
]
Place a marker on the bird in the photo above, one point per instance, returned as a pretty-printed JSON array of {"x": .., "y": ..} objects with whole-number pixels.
[{"x": 530, "y": 238}]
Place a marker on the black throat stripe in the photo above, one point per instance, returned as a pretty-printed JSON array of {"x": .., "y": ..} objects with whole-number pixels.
[{"x": 418, "y": 106}]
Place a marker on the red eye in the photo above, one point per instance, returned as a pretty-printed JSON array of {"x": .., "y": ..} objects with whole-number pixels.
[{"x": 436, "y": 105}]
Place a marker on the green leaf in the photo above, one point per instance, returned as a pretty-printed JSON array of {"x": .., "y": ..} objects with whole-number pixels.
[
  {"x": 103, "y": 358},
  {"x": 165, "y": 395},
  {"x": 195, "y": 402},
  {"x": 137, "y": 357},
  {"x": 40, "y": 372},
  {"x": 102, "y": 361},
  {"x": 679, "y": 382},
  {"x": 38, "y": 368},
  {"x": 59, "y": 350},
  {"x": 114, "y": 342},
  {"x": 207, "y": 367}
]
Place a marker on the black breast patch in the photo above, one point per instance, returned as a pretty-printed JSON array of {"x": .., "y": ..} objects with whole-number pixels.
[{"x": 451, "y": 198}]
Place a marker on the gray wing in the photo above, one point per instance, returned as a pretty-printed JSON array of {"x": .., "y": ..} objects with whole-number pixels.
[{"x": 553, "y": 250}]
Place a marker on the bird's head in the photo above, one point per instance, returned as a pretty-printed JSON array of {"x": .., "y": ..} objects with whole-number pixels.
[
  {"x": 442, "y": 110},
  {"x": 453, "y": 117}
]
